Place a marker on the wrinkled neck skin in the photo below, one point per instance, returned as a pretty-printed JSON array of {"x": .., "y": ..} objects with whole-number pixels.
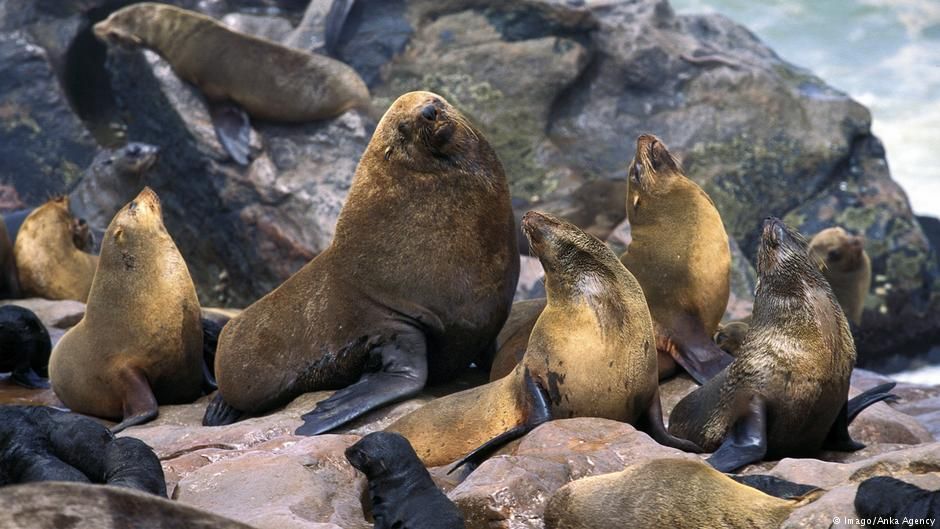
[{"x": 167, "y": 31}]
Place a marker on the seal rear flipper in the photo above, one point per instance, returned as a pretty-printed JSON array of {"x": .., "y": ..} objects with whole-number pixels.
[
  {"x": 210, "y": 342},
  {"x": 233, "y": 129},
  {"x": 403, "y": 374},
  {"x": 539, "y": 412},
  {"x": 140, "y": 405},
  {"x": 775, "y": 486},
  {"x": 838, "y": 438},
  {"x": 220, "y": 413},
  {"x": 28, "y": 378},
  {"x": 653, "y": 425},
  {"x": 747, "y": 440},
  {"x": 695, "y": 351}
]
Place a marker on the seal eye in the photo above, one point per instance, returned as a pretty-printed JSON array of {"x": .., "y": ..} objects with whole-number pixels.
[
  {"x": 429, "y": 112},
  {"x": 834, "y": 255}
]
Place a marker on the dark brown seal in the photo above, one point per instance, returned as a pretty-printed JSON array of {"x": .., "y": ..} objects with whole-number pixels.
[
  {"x": 846, "y": 266},
  {"x": 680, "y": 255},
  {"x": 784, "y": 395},
  {"x": 591, "y": 354},
  {"x": 140, "y": 342},
  {"x": 414, "y": 287}
]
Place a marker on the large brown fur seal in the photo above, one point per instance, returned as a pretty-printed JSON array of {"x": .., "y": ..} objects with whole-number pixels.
[
  {"x": 415, "y": 286},
  {"x": 680, "y": 255},
  {"x": 266, "y": 79},
  {"x": 785, "y": 393},
  {"x": 49, "y": 262},
  {"x": 846, "y": 266},
  {"x": 675, "y": 493},
  {"x": 140, "y": 342},
  {"x": 57, "y": 505},
  {"x": 591, "y": 354}
]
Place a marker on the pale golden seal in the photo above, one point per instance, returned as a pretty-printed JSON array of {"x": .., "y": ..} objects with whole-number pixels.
[{"x": 846, "y": 266}]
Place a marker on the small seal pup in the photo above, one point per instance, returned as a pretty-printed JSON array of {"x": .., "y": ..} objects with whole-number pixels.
[
  {"x": 49, "y": 262},
  {"x": 400, "y": 488},
  {"x": 237, "y": 72},
  {"x": 38, "y": 443},
  {"x": 680, "y": 256},
  {"x": 678, "y": 493},
  {"x": 140, "y": 342},
  {"x": 784, "y": 395},
  {"x": 24, "y": 347},
  {"x": 373, "y": 306},
  {"x": 591, "y": 354},
  {"x": 887, "y": 498},
  {"x": 846, "y": 265},
  {"x": 52, "y": 505}
]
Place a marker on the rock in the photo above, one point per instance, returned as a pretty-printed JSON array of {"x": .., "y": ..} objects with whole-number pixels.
[
  {"x": 60, "y": 314},
  {"x": 931, "y": 229},
  {"x": 261, "y": 26},
  {"x": 43, "y": 145},
  {"x": 531, "y": 283}
]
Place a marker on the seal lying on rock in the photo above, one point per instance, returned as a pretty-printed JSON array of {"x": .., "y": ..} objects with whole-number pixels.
[
  {"x": 676, "y": 493},
  {"x": 48, "y": 261},
  {"x": 415, "y": 286},
  {"x": 886, "y": 498},
  {"x": 140, "y": 342},
  {"x": 785, "y": 393},
  {"x": 846, "y": 266},
  {"x": 237, "y": 72},
  {"x": 82, "y": 506},
  {"x": 38, "y": 443},
  {"x": 400, "y": 488},
  {"x": 591, "y": 354},
  {"x": 24, "y": 347}
]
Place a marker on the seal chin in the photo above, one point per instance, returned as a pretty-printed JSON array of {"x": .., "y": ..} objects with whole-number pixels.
[{"x": 113, "y": 37}]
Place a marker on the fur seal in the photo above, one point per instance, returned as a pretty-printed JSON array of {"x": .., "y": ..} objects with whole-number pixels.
[
  {"x": 374, "y": 306},
  {"x": 590, "y": 354},
  {"x": 400, "y": 488},
  {"x": 140, "y": 342},
  {"x": 39, "y": 443},
  {"x": 730, "y": 336},
  {"x": 49, "y": 262},
  {"x": 887, "y": 498},
  {"x": 513, "y": 339},
  {"x": 679, "y": 493},
  {"x": 24, "y": 347},
  {"x": 846, "y": 265},
  {"x": 784, "y": 395},
  {"x": 238, "y": 72},
  {"x": 680, "y": 256},
  {"x": 51, "y": 505}
]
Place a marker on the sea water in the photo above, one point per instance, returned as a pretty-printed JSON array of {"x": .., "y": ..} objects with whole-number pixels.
[{"x": 884, "y": 53}]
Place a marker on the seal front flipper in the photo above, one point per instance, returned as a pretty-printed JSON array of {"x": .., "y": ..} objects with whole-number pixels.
[
  {"x": 220, "y": 413},
  {"x": 697, "y": 353},
  {"x": 140, "y": 405},
  {"x": 233, "y": 129},
  {"x": 28, "y": 378},
  {"x": 839, "y": 438},
  {"x": 747, "y": 440},
  {"x": 653, "y": 425},
  {"x": 539, "y": 412},
  {"x": 403, "y": 373},
  {"x": 131, "y": 463},
  {"x": 779, "y": 488}
]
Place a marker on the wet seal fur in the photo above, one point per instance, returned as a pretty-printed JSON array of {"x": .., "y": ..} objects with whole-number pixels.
[
  {"x": 50, "y": 505},
  {"x": 846, "y": 265},
  {"x": 680, "y": 255},
  {"x": 676, "y": 493},
  {"x": 400, "y": 488},
  {"x": 238, "y": 73},
  {"x": 24, "y": 347},
  {"x": 785, "y": 393},
  {"x": 591, "y": 354},
  {"x": 373, "y": 313},
  {"x": 888, "y": 498},
  {"x": 140, "y": 342},
  {"x": 38, "y": 443},
  {"x": 49, "y": 262}
]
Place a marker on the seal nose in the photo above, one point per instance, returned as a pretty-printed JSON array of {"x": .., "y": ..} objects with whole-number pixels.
[{"x": 429, "y": 112}]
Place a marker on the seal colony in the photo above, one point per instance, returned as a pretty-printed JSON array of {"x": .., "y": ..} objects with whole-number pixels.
[
  {"x": 238, "y": 73},
  {"x": 371, "y": 314},
  {"x": 591, "y": 354}
]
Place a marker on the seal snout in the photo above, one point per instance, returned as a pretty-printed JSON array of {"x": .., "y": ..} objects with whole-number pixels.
[{"x": 429, "y": 112}]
